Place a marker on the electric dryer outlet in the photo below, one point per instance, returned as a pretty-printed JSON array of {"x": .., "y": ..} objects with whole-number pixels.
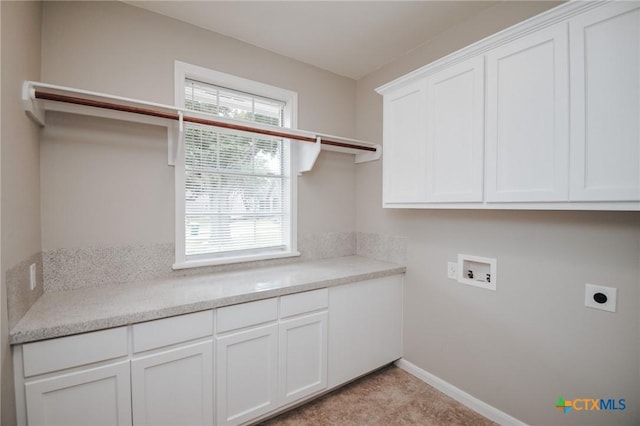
[{"x": 600, "y": 297}]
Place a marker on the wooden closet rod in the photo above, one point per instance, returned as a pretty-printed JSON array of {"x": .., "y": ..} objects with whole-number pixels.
[{"x": 173, "y": 116}]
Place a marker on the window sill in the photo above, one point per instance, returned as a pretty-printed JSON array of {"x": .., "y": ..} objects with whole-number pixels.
[{"x": 229, "y": 260}]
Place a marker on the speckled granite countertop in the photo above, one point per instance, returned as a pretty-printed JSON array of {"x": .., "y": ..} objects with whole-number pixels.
[{"x": 69, "y": 312}]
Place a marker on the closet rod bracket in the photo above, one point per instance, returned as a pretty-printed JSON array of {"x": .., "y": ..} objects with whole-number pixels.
[
  {"x": 41, "y": 97},
  {"x": 32, "y": 107}
]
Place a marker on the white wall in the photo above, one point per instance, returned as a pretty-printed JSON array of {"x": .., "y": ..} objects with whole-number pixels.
[
  {"x": 20, "y": 163},
  {"x": 532, "y": 340},
  {"x": 107, "y": 183}
]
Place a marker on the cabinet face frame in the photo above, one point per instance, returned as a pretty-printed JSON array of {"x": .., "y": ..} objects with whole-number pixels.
[
  {"x": 605, "y": 104},
  {"x": 36, "y": 391},
  {"x": 455, "y": 132},
  {"x": 141, "y": 391},
  {"x": 545, "y": 176}
]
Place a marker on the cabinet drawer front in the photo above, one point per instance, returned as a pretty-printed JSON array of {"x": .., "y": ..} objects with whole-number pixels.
[
  {"x": 73, "y": 351},
  {"x": 300, "y": 303},
  {"x": 246, "y": 314},
  {"x": 169, "y": 331}
]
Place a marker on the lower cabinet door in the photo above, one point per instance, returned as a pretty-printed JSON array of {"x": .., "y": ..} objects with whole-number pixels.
[
  {"x": 246, "y": 374},
  {"x": 174, "y": 387},
  {"x": 303, "y": 356},
  {"x": 365, "y": 327},
  {"x": 97, "y": 396}
]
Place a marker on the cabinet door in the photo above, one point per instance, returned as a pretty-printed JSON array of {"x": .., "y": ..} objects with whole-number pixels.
[
  {"x": 455, "y": 133},
  {"x": 174, "y": 387},
  {"x": 246, "y": 374},
  {"x": 528, "y": 118},
  {"x": 365, "y": 327},
  {"x": 303, "y": 356},
  {"x": 97, "y": 396},
  {"x": 405, "y": 160},
  {"x": 605, "y": 103}
]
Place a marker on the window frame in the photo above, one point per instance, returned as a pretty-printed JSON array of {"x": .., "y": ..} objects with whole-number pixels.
[{"x": 185, "y": 71}]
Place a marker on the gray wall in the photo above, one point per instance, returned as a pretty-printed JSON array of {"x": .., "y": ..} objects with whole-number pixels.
[
  {"x": 532, "y": 340},
  {"x": 94, "y": 170},
  {"x": 20, "y": 162},
  {"x": 518, "y": 348},
  {"x": 88, "y": 182}
]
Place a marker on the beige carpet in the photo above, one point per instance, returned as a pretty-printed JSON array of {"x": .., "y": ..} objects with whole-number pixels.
[{"x": 389, "y": 396}]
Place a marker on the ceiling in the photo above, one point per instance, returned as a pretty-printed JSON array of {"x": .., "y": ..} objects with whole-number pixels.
[{"x": 349, "y": 38}]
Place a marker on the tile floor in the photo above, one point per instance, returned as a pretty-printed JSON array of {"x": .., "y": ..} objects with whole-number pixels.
[{"x": 389, "y": 396}]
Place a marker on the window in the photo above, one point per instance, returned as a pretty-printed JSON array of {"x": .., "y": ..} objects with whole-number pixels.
[{"x": 233, "y": 189}]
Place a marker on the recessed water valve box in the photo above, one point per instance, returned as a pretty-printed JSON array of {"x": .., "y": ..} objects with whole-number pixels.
[{"x": 477, "y": 271}]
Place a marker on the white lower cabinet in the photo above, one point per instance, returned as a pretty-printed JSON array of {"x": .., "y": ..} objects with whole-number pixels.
[
  {"x": 246, "y": 374},
  {"x": 365, "y": 327},
  {"x": 303, "y": 356},
  {"x": 95, "y": 396},
  {"x": 152, "y": 373},
  {"x": 174, "y": 387},
  {"x": 268, "y": 355}
]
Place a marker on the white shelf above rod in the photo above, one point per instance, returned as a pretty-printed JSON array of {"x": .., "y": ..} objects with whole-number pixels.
[{"x": 41, "y": 97}]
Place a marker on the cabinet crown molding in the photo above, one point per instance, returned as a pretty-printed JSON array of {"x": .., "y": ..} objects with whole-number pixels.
[{"x": 522, "y": 29}]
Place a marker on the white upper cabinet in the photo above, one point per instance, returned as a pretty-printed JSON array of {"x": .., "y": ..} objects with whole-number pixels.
[
  {"x": 455, "y": 133},
  {"x": 528, "y": 118},
  {"x": 543, "y": 115},
  {"x": 605, "y": 94},
  {"x": 435, "y": 129},
  {"x": 405, "y": 161}
]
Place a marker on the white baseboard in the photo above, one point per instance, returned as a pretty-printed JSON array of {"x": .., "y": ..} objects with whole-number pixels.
[{"x": 481, "y": 407}]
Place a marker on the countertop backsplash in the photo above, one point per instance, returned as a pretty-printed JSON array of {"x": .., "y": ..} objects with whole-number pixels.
[
  {"x": 68, "y": 269},
  {"x": 20, "y": 297},
  {"x": 385, "y": 247}
]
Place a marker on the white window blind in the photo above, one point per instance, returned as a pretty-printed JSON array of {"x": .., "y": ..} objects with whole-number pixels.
[{"x": 235, "y": 185}]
